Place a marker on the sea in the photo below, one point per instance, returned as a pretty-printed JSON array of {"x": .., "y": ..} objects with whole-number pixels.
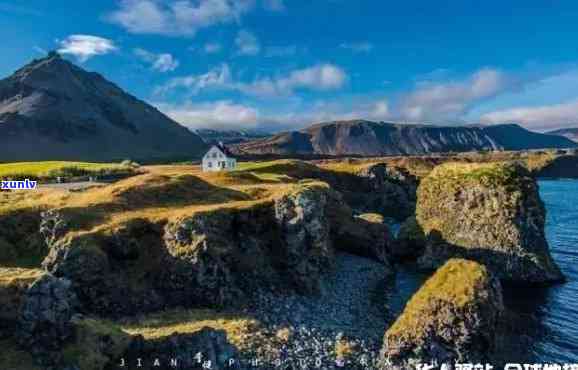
[{"x": 546, "y": 325}]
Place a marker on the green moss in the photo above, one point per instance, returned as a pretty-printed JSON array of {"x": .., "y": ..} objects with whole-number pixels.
[
  {"x": 448, "y": 181},
  {"x": 86, "y": 350},
  {"x": 458, "y": 284},
  {"x": 486, "y": 174}
]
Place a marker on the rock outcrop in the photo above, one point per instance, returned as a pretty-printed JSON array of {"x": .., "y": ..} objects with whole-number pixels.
[
  {"x": 113, "y": 272},
  {"x": 305, "y": 234},
  {"x": 491, "y": 213},
  {"x": 217, "y": 256},
  {"x": 14, "y": 283},
  {"x": 452, "y": 318},
  {"x": 45, "y": 321},
  {"x": 390, "y": 191}
]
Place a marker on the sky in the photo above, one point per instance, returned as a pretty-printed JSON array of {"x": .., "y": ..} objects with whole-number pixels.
[{"x": 285, "y": 64}]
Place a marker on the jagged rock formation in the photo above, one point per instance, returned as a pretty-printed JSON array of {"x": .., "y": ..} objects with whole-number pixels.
[
  {"x": 491, "y": 213},
  {"x": 213, "y": 257},
  {"x": 391, "y": 191},
  {"x": 366, "y": 138},
  {"x": 305, "y": 234},
  {"x": 452, "y": 318},
  {"x": 46, "y": 314},
  {"x": 52, "y": 109}
]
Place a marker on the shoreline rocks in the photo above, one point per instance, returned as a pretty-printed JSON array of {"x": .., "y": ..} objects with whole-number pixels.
[
  {"x": 491, "y": 213},
  {"x": 452, "y": 318}
]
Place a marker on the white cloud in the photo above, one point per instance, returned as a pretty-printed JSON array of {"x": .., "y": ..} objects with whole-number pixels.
[
  {"x": 85, "y": 47},
  {"x": 217, "y": 78},
  {"x": 358, "y": 47},
  {"x": 448, "y": 100},
  {"x": 217, "y": 115},
  {"x": 224, "y": 114},
  {"x": 177, "y": 17},
  {"x": 548, "y": 117},
  {"x": 274, "y": 5},
  {"x": 321, "y": 77},
  {"x": 247, "y": 43},
  {"x": 213, "y": 48},
  {"x": 159, "y": 62}
]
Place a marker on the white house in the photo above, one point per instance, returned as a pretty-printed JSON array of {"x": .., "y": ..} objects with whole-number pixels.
[{"x": 219, "y": 158}]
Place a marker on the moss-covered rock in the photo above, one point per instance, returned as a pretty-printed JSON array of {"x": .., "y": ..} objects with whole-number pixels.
[
  {"x": 491, "y": 213},
  {"x": 224, "y": 254},
  {"x": 112, "y": 271},
  {"x": 215, "y": 256},
  {"x": 452, "y": 318}
]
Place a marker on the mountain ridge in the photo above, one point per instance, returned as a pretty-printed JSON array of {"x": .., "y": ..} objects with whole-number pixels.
[
  {"x": 53, "y": 109},
  {"x": 368, "y": 138},
  {"x": 569, "y": 133}
]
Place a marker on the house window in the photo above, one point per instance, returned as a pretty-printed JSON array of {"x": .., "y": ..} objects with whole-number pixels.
[{"x": 210, "y": 165}]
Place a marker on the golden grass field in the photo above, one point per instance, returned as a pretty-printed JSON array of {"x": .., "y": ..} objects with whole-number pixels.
[{"x": 47, "y": 169}]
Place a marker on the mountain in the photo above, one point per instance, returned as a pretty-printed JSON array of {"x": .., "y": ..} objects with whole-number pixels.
[
  {"x": 52, "y": 109},
  {"x": 569, "y": 133},
  {"x": 366, "y": 138},
  {"x": 211, "y": 136}
]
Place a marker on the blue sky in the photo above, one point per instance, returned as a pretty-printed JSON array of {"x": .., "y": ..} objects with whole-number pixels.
[{"x": 281, "y": 64}]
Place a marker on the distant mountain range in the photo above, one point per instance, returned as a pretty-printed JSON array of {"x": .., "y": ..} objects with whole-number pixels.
[
  {"x": 52, "y": 109},
  {"x": 210, "y": 136},
  {"x": 366, "y": 138},
  {"x": 569, "y": 133}
]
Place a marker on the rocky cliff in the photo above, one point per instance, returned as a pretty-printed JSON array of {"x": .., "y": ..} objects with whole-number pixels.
[
  {"x": 366, "y": 138},
  {"x": 53, "y": 110},
  {"x": 213, "y": 257},
  {"x": 452, "y": 318},
  {"x": 491, "y": 213}
]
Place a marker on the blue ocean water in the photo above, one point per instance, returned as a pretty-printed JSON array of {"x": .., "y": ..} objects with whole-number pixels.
[{"x": 550, "y": 328}]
